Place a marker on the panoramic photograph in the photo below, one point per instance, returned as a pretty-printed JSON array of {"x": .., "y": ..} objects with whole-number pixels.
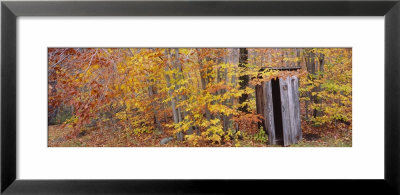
[{"x": 199, "y": 97}]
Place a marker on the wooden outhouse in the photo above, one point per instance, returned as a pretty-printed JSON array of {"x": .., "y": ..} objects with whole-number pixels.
[{"x": 278, "y": 102}]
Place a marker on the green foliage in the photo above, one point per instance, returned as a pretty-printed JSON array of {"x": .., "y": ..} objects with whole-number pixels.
[{"x": 261, "y": 136}]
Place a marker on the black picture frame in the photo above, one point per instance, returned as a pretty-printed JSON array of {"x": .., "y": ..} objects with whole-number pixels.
[{"x": 10, "y": 10}]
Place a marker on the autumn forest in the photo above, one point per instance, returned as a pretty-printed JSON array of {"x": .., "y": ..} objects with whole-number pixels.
[{"x": 199, "y": 97}]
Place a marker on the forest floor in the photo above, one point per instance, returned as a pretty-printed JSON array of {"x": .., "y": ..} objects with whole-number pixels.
[{"x": 339, "y": 136}]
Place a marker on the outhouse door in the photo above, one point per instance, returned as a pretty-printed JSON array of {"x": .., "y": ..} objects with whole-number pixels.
[
  {"x": 278, "y": 103},
  {"x": 290, "y": 108}
]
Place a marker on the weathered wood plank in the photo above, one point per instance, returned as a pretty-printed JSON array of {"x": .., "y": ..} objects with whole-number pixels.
[
  {"x": 292, "y": 108},
  {"x": 259, "y": 100},
  {"x": 296, "y": 100},
  {"x": 269, "y": 113},
  {"x": 283, "y": 84},
  {"x": 260, "y": 104}
]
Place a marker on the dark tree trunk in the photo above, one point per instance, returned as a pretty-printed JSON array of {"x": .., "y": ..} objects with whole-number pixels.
[
  {"x": 310, "y": 64},
  {"x": 298, "y": 56},
  {"x": 243, "y": 79},
  {"x": 318, "y": 101},
  {"x": 157, "y": 122}
]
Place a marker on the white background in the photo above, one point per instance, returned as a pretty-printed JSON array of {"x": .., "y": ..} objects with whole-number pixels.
[{"x": 364, "y": 160}]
